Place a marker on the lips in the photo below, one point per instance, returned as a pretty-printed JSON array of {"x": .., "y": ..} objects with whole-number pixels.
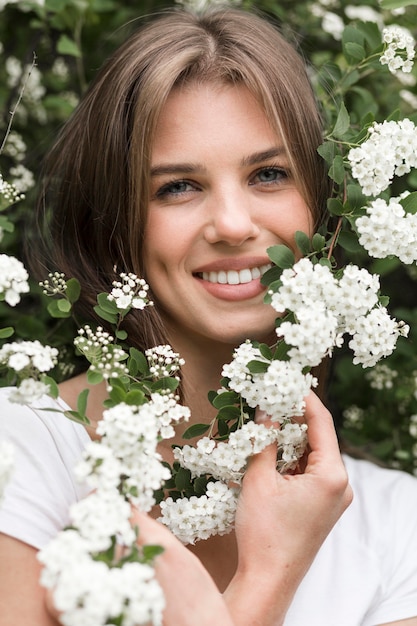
[{"x": 235, "y": 277}]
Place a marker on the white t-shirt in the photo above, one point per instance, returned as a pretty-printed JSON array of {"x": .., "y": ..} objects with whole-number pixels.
[{"x": 364, "y": 575}]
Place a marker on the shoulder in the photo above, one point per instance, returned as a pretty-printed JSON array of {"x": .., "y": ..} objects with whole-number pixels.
[
  {"x": 47, "y": 446},
  {"x": 45, "y": 418},
  {"x": 380, "y": 485},
  {"x": 383, "y": 513}
]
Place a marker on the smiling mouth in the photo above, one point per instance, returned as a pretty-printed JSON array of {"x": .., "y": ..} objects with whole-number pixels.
[{"x": 234, "y": 277}]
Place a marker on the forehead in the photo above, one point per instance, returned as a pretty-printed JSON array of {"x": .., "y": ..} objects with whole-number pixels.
[{"x": 221, "y": 118}]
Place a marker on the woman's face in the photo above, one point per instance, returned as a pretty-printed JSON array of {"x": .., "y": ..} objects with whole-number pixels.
[{"x": 221, "y": 194}]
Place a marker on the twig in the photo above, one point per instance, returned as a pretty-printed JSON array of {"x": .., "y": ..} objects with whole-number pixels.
[{"x": 13, "y": 111}]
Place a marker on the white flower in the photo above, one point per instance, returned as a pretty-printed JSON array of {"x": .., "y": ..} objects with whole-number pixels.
[
  {"x": 106, "y": 358},
  {"x": 90, "y": 593},
  {"x": 399, "y": 50},
  {"x": 387, "y": 230},
  {"x": 191, "y": 519},
  {"x": 381, "y": 376},
  {"x": 226, "y": 460},
  {"x": 29, "y": 390},
  {"x": 375, "y": 336},
  {"x": 13, "y": 278},
  {"x": 131, "y": 291},
  {"x": 163, "y": 361},
  {"x": 20, "y": 355},
  {"x": 101, "y": 516},
  {"x": 391, "y": 150}
]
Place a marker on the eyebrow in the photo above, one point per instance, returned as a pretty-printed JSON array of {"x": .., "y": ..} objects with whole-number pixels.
[{"x": 190, "y": 168}]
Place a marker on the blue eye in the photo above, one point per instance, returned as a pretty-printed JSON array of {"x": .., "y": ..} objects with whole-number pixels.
[
  {"x": 270, "y": 175},
  {"x": 175, "y": 188}
]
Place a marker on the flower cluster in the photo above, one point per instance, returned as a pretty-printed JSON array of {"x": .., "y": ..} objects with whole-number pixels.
[
  {"x": 387, "y": 229},
  {"x": 391, "y": 150},
  {"x": 54, "y": 284},
  {"x": 98, "y": 347},
  {"x": 130, "y": 291},
  {"x": 124, "y": 469},
  {"x": 129, "y": 436},
  {"x": 29, "y": 390},
  {"x": 399, "y": 50},
  {"x": 226, "y": 460},
  {"x": 201, "y": 517},
  {"x": 28, "y": 357},
  {"x": 9, "y": 194},
  {"x": 279, "y": 390},
  {"x": 348, "y": 304},
  {"x": 13, "y": 279},
  {"x": 6, "y": 465},
  {"x": 89, "y": 592},
  {"x": 381, "y": 376},
  {"x": 163, "y": 361}
]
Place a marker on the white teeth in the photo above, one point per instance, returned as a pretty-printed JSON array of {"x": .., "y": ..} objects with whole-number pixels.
[{"x": 233, "y": 277}]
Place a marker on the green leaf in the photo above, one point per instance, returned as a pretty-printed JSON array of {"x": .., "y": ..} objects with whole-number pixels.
[
  {"x": 223, "y": 428},
  {"x": 182, "y": 479},
  {"x": 53, "y": 387},
  {"x": 121, "y": 334},
  {"x": 282, "y": 256},
  {"x": 200, "y": 485},
  {"x": 55, "y": 311},
  {"x": 355, "y": 51},
  {"x": 68, "y": 46},
  {"x": 258, "y": 367},
  {"x": 135, "y": 397},
  {"x": 337, "y": 170},
  {"x": 342, "y": 124},
  {"x": 327, "y": 151},
  {"x": 355, "y": 197},
  {"x": 94, "y": 378},
  {"x": 303, "y": 242},
  {"x": 397, "y": 4},
  {"x": 349, "y": 241},
  {"x": 140, "y": 359},
  {"x": 76, "y": 417},
  {"x": 63, "y": 305},
  {"x": 409, "y": 203},
  {"x": 229, "y": 413},
  {"x": 150, "y": 551},
  {"x": 166, "y": 383},
  {"x": 196, "y": 430},
  {"x": 82, "y": 401},
  {"x": 6, "y": 332},
  {"x": 335, "y": 206},
  {"x": 107, "y": 305},
  {"x": 326, "y": 262},
  {"x": 73, "y": 290},
  {"x": 318, "y": 242},
  {"x": 225, "y": 399},
  {"x": 109, "y": 317},
  {"x": 271, "y": 276},
  {"x": 265, "y": 350}
]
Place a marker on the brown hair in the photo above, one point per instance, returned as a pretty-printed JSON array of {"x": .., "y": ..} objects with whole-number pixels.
[{"x": 96, "y": 177}]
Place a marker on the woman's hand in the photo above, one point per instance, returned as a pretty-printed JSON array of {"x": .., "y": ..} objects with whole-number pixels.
[
  {"x": 190, "y": 593},
  {"x": 282, "y": 520}
]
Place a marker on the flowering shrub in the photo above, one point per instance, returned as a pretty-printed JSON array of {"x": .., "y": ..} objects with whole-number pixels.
[{"x": 362, "y": 69}]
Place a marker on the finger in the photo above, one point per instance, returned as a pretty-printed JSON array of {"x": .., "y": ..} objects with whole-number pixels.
[{"x": 323, "y": 442}]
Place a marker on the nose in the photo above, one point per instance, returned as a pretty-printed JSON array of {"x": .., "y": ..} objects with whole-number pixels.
[{"x": 230, "y": 218}]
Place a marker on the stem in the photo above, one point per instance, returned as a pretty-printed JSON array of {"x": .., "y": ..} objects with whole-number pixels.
[
  {"x": 13, "y": 111},
  {"x": 335, "y": 236}
]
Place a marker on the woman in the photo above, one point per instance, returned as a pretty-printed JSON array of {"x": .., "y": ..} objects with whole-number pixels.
[{"x": 193, "y": 151}]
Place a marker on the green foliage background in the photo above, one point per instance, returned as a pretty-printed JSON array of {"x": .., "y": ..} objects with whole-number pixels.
[{"x": 67, "y": 40}]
